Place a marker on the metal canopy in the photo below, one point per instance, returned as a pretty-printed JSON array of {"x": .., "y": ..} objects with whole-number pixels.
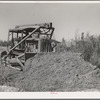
[{"x": 21, "y": 30}]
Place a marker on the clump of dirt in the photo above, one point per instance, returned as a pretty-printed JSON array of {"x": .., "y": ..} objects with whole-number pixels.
[
  {"x": 9, "y": 89},
  {"x": 60, "y": 71}
]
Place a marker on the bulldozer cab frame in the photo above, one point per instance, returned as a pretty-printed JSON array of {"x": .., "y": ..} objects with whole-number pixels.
[
  {"x": 20, "y": 32},
  {"x": 28, "y": 40}
]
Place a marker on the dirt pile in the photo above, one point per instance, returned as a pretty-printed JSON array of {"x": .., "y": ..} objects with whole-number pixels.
[{"x": 57, "y": 72}]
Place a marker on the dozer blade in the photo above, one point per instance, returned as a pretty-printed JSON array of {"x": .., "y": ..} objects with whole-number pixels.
[{"x": 16, "y": 64}]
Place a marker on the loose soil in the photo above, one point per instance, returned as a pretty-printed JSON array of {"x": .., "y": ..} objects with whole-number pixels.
[{"x": 60, "y": 71}]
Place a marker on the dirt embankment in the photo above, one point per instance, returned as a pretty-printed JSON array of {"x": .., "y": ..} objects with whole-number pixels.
[
  {"x": 60, "y": 71},
  {"x": 56, "y": 72}
]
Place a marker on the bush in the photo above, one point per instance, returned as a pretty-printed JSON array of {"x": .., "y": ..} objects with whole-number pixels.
[
  {"x": 87, "y": 51},
  {"x": 90, "y": 49},
  {"x": 61, "y": 48},
  {"x": 5, "y": 43}
]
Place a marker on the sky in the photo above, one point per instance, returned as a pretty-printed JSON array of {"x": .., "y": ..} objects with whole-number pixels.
[{"x": 69, "y": 19}]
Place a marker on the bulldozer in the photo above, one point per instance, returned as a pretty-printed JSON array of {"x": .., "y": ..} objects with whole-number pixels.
[{"x": 25, "y": 42}]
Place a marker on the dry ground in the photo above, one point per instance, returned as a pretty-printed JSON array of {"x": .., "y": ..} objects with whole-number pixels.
[
  {"x": 56, "y": 72},
  {"x": 5, "y": 72},
  {"x": 60, "y": 71}
]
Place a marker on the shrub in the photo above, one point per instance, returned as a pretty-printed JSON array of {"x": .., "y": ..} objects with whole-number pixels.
[
  {"x": 90, "y": 49},
  {"x": 87, "y": 51},
  {"x": 61, "y": 48}
]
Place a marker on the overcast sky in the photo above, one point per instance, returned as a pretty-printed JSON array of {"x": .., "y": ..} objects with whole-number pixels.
[{"x": 67, "y": 18}]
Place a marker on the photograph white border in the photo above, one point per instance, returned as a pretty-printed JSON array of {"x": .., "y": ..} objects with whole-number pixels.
[{"x": 49, "y": 95}]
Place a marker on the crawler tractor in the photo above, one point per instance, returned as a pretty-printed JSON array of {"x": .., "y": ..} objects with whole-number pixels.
[{"x": 25, "y": 42}]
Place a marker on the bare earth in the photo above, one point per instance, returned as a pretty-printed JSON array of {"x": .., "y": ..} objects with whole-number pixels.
[{"x": 60, "y": 71}]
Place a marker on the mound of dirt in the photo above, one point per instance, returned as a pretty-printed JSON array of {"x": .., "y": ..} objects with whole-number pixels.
[{"x": 63, "y": 71}]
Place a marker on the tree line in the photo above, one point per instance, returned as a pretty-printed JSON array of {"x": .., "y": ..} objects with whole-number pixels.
[{"x": 4, "y": 43}]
